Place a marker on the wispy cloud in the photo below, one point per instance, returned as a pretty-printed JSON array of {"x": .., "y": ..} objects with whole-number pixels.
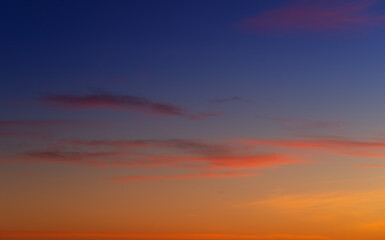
[
  {"x": 324, "y": 16},
  {"x": 335, "y": 145},
  {"x": 180, "y": 236},
  {"x": 327, "y": 204},
  {"x": 130, "y": 159},
  {"x": 95, "y": 159},
  {"x": 207, "y": 160},
  {"x": 206, "y": 155},
  {"x": 370, "y": 166},
  {"x": 129, "y": 103},
  {"x": 16, "y": 134},
  {"x": 232, "y": 99},
  {"x": 182, "y": 176},
  {"x": 44, "y": 123},
  {"x": 308, "y": 124}
]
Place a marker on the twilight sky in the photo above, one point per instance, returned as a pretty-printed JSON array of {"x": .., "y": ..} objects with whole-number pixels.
[{"x": 225, "y": 120}]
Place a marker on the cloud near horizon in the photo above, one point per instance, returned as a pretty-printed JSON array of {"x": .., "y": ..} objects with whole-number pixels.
[
  {"x": 306, "y": 123},
  {"x": 207, "y": 160},
  {"x": 182, "y": 176},
  {"x": 107, "y": 101},
  {"x": 329, "y": 206},
  {"x": 334, "y": 145},
  {"x": 325, "y": 16}
]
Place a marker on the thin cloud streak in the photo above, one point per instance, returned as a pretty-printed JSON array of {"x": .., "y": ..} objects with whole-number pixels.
[
  {"x": 370, "y": 166},
  {"x": 20, "y": 134},
  {"x": 309, "y": 124},
  {"x": 206, "y": 155},
  {"x": 195, "y": 146},
  {"x": 180, "y": 177},
  {"x": 128, "y": 103},
  {"x": 44, "y": 123},
  {"x": 232, "y": 99},
  {"x": 324, "y": 16},
  {"x": 339, "y": 146},
  {"x": 130, "y": 159},
  {"x": 207, "y": 160}
]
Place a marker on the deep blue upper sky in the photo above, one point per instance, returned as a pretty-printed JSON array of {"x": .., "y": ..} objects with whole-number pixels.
[{"x": 185, "y": 51}]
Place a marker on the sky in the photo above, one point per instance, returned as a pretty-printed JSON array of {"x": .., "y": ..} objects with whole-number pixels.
[{"x": 192, "y": 120}]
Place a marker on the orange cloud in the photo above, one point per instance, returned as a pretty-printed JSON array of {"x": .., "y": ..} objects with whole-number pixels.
[{"x": 329, "y": 204}]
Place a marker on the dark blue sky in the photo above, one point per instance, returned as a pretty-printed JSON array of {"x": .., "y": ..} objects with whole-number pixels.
[{"x": 192, "y": 52}]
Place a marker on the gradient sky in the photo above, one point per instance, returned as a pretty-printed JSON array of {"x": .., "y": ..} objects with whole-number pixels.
[{"x": 224, "y": 120}]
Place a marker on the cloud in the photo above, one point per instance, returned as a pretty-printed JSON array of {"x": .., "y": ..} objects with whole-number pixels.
[
  {"x": 207, "y": 160},
  {"x": 335, "y": 145},
  {"x": 107, "y": 143},
  {"x": 355, "y": 205},
  {"x": 184, "y": 176},
  {"x": 23, "y": 128},
  {"x": 199, "y": 154},
  {"x": 15, "y": 134},
  {"x": 9, "y": 134},
  {"x": 374, "y": 226},
  {"x": 179, "y": 236},
  {"x": 326, "y": 16},
  {"x": 95, "y": 159},
  {"x": 129, "y": 103},
  {"x": 370, "y": 166},
  {"x": 197, "y": 116},
  {"x": 232, "y": 99},
  {"x": 309, "y": 124},
  {"x": 44, "y": 123},
  {"x": 132, "y": 159},
  {"x": 195, "y": 146}
]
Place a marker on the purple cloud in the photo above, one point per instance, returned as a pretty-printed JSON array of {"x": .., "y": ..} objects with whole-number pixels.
[
  {"x": 119, "y": 103},
  {"x": 325, "y": 16}
]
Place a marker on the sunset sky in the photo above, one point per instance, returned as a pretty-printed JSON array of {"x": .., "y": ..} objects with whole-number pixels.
[{"x": 192, "y": 120}]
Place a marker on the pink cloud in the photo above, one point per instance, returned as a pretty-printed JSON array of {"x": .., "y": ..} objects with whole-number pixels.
[
  {"x": 315, "y": 16},
  {"x": 195, "y": 153},
  {"x": 129, "y": 103},
  {"x": 134, "y": 159},
  {"x": 209, "y": 160}
]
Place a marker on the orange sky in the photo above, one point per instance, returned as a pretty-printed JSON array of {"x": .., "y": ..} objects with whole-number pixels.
[{"x": 192, "y": 120}]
